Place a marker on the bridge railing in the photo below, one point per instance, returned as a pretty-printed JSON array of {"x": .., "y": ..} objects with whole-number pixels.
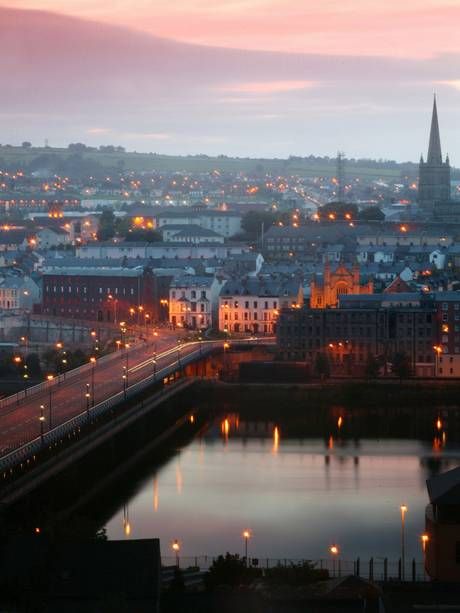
[
  {"x": 28, "y": 451},
  {"x": 66, "y": 376},
  {"x": 376, "y": 569}
]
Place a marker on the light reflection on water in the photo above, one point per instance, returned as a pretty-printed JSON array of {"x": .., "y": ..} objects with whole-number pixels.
[{"x": 296, "y": 495}]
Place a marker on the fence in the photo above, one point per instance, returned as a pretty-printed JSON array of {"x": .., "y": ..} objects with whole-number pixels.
[
  {"x": 29, "y": 451},
  {"x": 374, "y": 569}
]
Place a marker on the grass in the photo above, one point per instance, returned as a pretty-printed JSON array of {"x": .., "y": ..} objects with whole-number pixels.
[{"x": 21, "y": 157}]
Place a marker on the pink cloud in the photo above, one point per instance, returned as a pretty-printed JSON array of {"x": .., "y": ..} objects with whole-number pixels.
[
  {"x": 267, "y": 87},
  {"x": 413, "y": 28}
]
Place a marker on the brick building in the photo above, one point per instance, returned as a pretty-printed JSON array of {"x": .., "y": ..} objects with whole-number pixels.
[
  {"x": 363, "y": 325},
  {"x": 110, "y": 294}
]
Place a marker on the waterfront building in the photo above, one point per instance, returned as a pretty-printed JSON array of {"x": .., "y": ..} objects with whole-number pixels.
[
  {"x": 252, "y": 305},
  {"x": 193, "y": 301},
  {"x": 104, "y": 293},
  {"x": 442, "y": 528},
  {"x": 378, "y": 325},
  {"x": 336, "y": 281}
]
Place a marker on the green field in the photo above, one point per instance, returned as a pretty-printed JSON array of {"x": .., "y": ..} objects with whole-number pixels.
[{"x": 20, "y": 157}]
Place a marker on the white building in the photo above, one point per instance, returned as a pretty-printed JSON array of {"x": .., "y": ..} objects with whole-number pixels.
[
  {"x": 159, "y": 250},
  {"x": 18, "y": 293},
  {"x": 225, "y": 223},
  {"x": 52, "y": 237},
  {"x": 251, "y": 306},
  {"x": 193, "y": 301},
  {"x": 178, "y": 233}
]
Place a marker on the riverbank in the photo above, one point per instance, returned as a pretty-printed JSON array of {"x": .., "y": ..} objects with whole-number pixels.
[{"x": 348, "y": 392}]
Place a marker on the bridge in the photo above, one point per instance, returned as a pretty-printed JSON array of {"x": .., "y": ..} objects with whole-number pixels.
[{"x": 83, "y": 407}]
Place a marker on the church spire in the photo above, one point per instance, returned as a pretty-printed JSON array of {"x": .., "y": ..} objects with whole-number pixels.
[{"x": 434, "y": 148}]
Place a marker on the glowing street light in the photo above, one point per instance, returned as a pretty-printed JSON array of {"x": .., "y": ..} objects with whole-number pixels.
[
  {"x": 246, "y": 535},
  {"x": 403, "y": 509},
  {"x": 42, "y": 421},
  {"x": 334, "y": 550},
  {"x": 176, "y": 548}
]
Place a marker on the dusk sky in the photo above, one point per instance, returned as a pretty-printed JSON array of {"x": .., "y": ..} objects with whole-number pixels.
[{"x": 252, "y": 78}]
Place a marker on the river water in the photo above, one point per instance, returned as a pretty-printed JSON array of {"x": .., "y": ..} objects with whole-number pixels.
[{"x": 298, "y": 484}]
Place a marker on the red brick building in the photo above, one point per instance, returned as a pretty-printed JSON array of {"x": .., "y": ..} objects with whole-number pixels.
[{"x": 105, "y": 294}]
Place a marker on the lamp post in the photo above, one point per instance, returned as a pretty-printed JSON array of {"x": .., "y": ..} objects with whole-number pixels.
[
  {"x": 176, "y": 548},
  {"x": 403, "y": 509},
  {"x": 334, "y": 550},
  {"x": 226, "y": 348},
  {"x": 115, "y": 307},
  {"x": 437, "y": 351},
  {"x": 424, "y": 539},
  {"x": 42, "y": 422},
  {"x": 246, "y": 537},
  {"x": 93, "y": 366},
  {"x": 49, "y": 378},
  {"x": 178, "y": 354},
  {"x": 87, "y": 396}
]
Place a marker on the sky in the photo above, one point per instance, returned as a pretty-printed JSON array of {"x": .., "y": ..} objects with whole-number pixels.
[{"x": 267, "y": 78}]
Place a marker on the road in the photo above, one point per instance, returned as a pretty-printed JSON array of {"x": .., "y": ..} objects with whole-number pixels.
[{"x": 20, "y": 422}]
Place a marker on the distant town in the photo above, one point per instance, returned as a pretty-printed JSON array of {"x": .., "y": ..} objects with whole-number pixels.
[{"x": 355, "y": 276}]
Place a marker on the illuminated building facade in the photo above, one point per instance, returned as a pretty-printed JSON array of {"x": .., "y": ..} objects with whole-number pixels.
[{"x": 336, "y": 282}]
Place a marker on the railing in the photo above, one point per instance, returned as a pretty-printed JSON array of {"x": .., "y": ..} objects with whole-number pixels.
[
  {"x": 65, "y": 376},
  {"x": 32, "y": 448},
  {"x": 375, "y": 569}
]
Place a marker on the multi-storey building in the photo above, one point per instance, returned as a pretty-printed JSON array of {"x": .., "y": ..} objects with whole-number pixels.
[
  {"x": 193, "y": 301},
  {"x": 225, "y": 223},
  {"x": 252, "y": 305},
  {"x": 105, "y": 293},
  {"x": 378, "y": 325}
]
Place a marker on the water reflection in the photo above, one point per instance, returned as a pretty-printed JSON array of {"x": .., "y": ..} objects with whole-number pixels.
[{"x": 301, "y": 483}]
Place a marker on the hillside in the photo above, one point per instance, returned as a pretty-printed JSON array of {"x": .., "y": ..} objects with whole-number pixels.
[{"x": 37, "y": 158}]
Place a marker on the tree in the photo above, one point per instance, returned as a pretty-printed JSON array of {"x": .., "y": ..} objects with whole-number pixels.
[
  {"x": 253, "y": 220},
  {"x": 106, "y": 228},
  {"x": 322, "y": 366},
  {"x": 295, "y": 574},
  {"x": 401, "y": 365},
  {"x": 230, "y": 570},
  {"x": 147, "y": 236},
  {"x": 372, "y": 368},
  {"x": 26, "y": 145},
  {"x": 373, "y": 213}
]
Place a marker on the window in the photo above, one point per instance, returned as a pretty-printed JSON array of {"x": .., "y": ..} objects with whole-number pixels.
[
  {"x": 193, "y": 294},
  {"x": 255, "y": 315},
  {"x": 266, "y": 304},
  {"x": 203, "y": 295},
  {"x": 246, "y": 304},
  {"x": 173, "y": 294},
  {"x": 255, "y": 304}
]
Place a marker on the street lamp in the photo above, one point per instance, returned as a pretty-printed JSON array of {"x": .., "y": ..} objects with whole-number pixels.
[
  {"x": 176, "y": 548},
  {"x": 93, "y": 363},
  {"x": 87, "y": 396},
  {"x": 424, "y": 539},
  {"x": 115, "y": 305},
  {"x": 42, "y": 421},
  {"x": 178, "y": 353},
  {"x": 438, "y": 350},
  {"x": 246, "y": 536},
  {"x": 334, "y": 550},
  {"x": 49, "y": 378},
  {"x": 403, "y": 552}
]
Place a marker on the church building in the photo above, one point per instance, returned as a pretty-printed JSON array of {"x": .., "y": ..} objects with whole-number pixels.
[
  {"x": 335, "y": 282},
  {"x": 434, "y": 174}
]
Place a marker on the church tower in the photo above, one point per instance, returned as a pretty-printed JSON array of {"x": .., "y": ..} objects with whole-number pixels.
[{"x": 434, "y": 174}]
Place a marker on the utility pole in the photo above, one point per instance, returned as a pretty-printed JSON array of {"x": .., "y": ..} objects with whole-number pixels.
[{"x": 340, "y": 176}]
